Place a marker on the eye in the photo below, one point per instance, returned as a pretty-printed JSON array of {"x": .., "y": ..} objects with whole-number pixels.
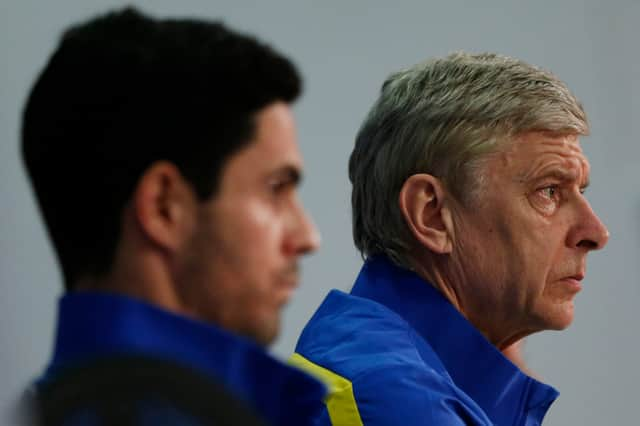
[
  {"x": 277, "y": 185},
  {"x": 283, "y": 181},
  {"x": 547, "y": 199},
  {"x": 550, "y": 191}
]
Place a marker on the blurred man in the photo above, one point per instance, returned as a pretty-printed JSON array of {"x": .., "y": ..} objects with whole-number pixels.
[
  {"x": 164, "y": 159},
  {"x": 468, "y": 205}
]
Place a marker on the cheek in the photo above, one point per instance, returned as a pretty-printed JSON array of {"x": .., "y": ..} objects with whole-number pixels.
[
  {"x": 489, "y": 240},
  {"x": 544, "y": 244},
  {"x": 263, "y": 231},
  {"x": 252, "y": 224},
  {"x": 260, "y": 240},
  {"x": 507, "y": 252}
]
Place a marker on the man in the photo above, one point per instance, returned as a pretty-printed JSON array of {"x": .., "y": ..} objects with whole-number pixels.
[
  {"x": 468, "y": 205},
  {"x": 164, "y": 159}
]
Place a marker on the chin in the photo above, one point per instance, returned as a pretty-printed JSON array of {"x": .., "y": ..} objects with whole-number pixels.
[
  {"x": 267, "y": 333},
  {"x": 561, "y": 318},
  {"x": 560, "y": 326}
]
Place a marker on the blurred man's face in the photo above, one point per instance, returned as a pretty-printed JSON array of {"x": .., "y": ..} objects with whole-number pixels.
[
  {"x": 243, "y": 261},
  {"x": 522, "y": 246}
]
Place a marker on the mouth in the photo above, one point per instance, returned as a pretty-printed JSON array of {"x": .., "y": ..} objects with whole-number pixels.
[
  {"x": 285, "y": 296},
  {"x": 286, "y": 282},
  {"x": 288, "y": 287},
  {"x": 290, "y": 276},
  {"x": 573, "y": 282}
]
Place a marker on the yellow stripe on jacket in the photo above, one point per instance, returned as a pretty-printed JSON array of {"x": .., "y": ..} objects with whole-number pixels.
[{"x": 340, "y": 402}]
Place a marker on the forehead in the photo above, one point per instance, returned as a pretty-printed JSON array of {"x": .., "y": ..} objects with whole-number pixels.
[{"x": 535, "y": 154}]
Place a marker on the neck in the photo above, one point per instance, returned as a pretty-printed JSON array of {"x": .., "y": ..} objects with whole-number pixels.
[
  {"x": 139, "y": 273},
  {"x": 496, "y": 328}
]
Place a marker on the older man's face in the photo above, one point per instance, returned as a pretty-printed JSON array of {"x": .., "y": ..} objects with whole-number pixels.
[{"x": 522, "y": 246}]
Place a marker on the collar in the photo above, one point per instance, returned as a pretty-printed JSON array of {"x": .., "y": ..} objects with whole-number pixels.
[
  {"x": 94, "y": 324},
  {"x": 476, "y": 366}
]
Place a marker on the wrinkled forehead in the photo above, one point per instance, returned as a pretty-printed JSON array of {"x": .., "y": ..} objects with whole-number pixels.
[{"x": 533, "y": 154}]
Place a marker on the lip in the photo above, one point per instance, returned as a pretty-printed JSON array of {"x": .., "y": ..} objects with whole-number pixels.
[
  {"x": 291, "y": 283},
  {"x": 573, "y": 282},
  {"x": 288, "y": 289}
]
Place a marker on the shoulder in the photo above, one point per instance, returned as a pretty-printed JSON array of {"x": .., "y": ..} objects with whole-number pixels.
[
  {"x": 138, "y": 390},
  {"x": 391, "y": 374},
  {"x": 351, "y": 335}
]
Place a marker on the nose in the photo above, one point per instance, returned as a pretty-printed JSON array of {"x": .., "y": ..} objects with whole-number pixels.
[
  {"x": 589, "y": 232},
  {"x": 304, "y": 236}
]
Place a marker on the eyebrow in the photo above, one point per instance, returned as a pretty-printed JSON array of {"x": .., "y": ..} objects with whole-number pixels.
[{"x": 563, "y": 175}]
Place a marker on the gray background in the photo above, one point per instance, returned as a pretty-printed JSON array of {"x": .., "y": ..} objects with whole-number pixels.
[{"x": 344, "y": 50}]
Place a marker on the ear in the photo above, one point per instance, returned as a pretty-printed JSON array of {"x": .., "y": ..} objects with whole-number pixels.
[
  {"x": 422, "y": 203},
  {"x": 165, "y": 205}
]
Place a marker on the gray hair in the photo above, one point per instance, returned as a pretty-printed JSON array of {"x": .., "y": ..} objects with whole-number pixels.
[{"x": 442, "y": 117}]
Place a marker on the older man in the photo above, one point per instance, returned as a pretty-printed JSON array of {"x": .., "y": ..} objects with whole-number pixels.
[
  {"x": 164, "y": 159},
  {"x": 468, "y": 205}
]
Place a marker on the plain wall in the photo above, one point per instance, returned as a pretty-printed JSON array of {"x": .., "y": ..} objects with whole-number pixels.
[{"x": 345, "y": 50}]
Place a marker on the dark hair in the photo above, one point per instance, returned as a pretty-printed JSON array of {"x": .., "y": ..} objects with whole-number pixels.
[{"x": 123, "y": 91}]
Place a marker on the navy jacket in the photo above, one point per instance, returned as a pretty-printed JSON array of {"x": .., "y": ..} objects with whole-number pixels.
[
  {"x": 395, "y": 352},
  {"x": 98, "y": 329}
]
